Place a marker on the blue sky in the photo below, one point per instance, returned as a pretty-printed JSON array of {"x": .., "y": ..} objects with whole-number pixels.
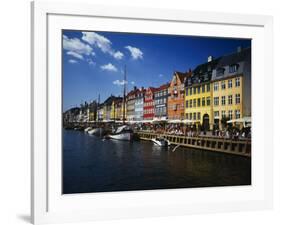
[{"x": 93, "y": 62}]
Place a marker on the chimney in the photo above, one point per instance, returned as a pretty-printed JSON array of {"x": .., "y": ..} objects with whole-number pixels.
[
  {"x": 210, "y": 58},
  {"x": 239, "y": 49},
  {"x": 135, "y": 88}
]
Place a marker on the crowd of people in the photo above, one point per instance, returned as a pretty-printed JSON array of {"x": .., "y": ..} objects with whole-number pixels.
[{"x": 230, "y": 132}]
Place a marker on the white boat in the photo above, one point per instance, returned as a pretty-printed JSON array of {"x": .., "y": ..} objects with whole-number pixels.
[
  {"x": 123, "y": 133},
  {"x": 87, "y": 129},
  {"x": 161, "y": 142},
  {"x": 95, "y": 131}
]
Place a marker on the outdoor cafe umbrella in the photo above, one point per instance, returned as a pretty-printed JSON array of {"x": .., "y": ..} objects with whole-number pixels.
[
  {"x": 175, "y": 121},
  {"x": 243, "y": 120}
]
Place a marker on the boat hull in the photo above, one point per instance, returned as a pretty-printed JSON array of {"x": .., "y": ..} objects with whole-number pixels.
[
  {"x": 95, "y": 131},
  {"x": 163, "y": 143},
  {"x": 122, "y": 136}
]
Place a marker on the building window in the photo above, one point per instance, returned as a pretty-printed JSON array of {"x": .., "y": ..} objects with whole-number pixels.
[
  {"x": 216, "y": 86},
  {"x": 190, "y": 91},
  {"x": 223, "y": 100},
  {"x": 237, "y": 82},
  {"x": 198, "y": 116},
  {"x": 237, "y": 99},
  {"x": 233, "y": 68},
  {"x": 237, "y": 114},
  {"x": 216, "y": 114},
  {"x": 220, "y": 71},
  {"x": 190, "y": 103},
  {"x": 203, "y": 101},
  {"x": 198, "y": 90},
  {"x": 216, "y": 100},
  {"x": 223, "y": 85},
  {"x": 203, "y": 88},
  {"x": 186, "y": 91},
  {"x": 230, "y": 83},
  {"x": 194, "y": 116},
  {"x": 190, "y": 116},
  {"x": 229, "y": 99},
  {"x": 198, "y": 102},
  {"x": 208, "y": 101},
  {"x": 223, "y": 114},
  {"x": 208, "y": 87},
  {"x": 230, "y": 114},
  {"x": 194, "y": 103},
  {"x": 194, "y": 90},
  {"x": 186, "y": 103}
]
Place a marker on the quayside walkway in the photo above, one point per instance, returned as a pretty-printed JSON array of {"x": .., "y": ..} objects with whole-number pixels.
[{"x": 229, "y": 146}]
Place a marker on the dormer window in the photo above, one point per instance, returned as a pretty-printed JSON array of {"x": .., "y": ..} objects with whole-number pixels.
[
  {"x": 233, "y": 68},
  {"x": 220, "y": 71}
]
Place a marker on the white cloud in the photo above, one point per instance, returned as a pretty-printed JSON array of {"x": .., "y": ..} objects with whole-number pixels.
[
  {"x": 77, "y": 46},
  {"x": 91, "y": 62},
  {"x": 136, "y": 53},
  {"x": 75, "y": 54},
  {"x": 119, "y": 82},
  {"x": 161, "y": 75},
  {"x": 118, "y": 55},
  {"x": 133, "y": 82},
  {"x": 101, "y": 42},
  {"x": 109, "y": 67},
  {"x": 72, "y": 61}
]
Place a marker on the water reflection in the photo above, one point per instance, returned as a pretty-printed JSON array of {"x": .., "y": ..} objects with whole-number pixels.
[{"x": 91, "y": 164}]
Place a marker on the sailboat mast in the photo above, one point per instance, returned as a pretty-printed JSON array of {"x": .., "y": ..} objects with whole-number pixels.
[{"x": 124, "y": 92}]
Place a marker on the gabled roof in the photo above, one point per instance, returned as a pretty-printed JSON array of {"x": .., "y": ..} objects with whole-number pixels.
[
  {"x": 162, "y": 87},
  {"x": 110, "y": 99},
  {"x": 182, "y": 75},
  {"x": 132, "y": 92}
]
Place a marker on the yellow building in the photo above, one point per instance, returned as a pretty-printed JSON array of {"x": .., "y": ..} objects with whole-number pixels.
[
  {"x": 227, "y": 99},
  {"x": 198, "y": 104},
  {"x": 116, "y": 112},
  {"x": 198, "y": 95},
  {"x": 231, "y": 81}
]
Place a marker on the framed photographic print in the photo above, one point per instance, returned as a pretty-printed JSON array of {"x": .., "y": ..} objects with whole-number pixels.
[{"x": 146, "y": 112}]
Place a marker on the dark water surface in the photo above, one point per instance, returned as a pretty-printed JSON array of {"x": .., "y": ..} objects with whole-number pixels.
[{"x": 91, "y": 164}]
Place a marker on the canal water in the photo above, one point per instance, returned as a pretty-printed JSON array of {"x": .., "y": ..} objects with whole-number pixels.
[{"x": 91, "y": 164}]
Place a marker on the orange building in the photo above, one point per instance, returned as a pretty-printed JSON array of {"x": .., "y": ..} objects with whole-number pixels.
[{"x": 176, "y": 96}]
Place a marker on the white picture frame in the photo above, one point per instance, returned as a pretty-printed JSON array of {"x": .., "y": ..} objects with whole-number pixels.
[{"x": 49, "y": 206}]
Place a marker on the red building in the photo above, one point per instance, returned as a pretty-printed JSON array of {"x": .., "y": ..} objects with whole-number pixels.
[{"x": 148, "y": 107}]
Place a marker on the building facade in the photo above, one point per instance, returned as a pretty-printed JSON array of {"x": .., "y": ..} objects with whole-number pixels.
[
  {"x": 139, "y": 102},
  {"x": 130, "y": 102},
  {"x": 148, "y": 107},
  {"x": 231, "y": 81},
  {"x": 116, "y": 109},
  {"x": 198, "y": 95},
  {"x": 161, "y": 102},
  {"x": 100, "y": 112},
  {"x": 176, "y": 96}
]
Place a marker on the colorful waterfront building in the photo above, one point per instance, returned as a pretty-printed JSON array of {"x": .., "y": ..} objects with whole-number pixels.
[
  {"x": 231, "y": 81},
  {"x": 139, "y": 102},
  {"x": 107, "y": 108},
  {"x": 130, "y": 102},
  {"x": 198, "y": 95},
  {"x": 116, "y": 109},
  {"x": 148, "y": 107},
  {"x": 100, "y": 112},
  {"x": 176, "y": 95},
  {"x": 161, "y": 102}
]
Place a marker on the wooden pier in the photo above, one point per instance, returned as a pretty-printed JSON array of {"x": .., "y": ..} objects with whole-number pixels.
[{"x": 223, "y": 145}]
